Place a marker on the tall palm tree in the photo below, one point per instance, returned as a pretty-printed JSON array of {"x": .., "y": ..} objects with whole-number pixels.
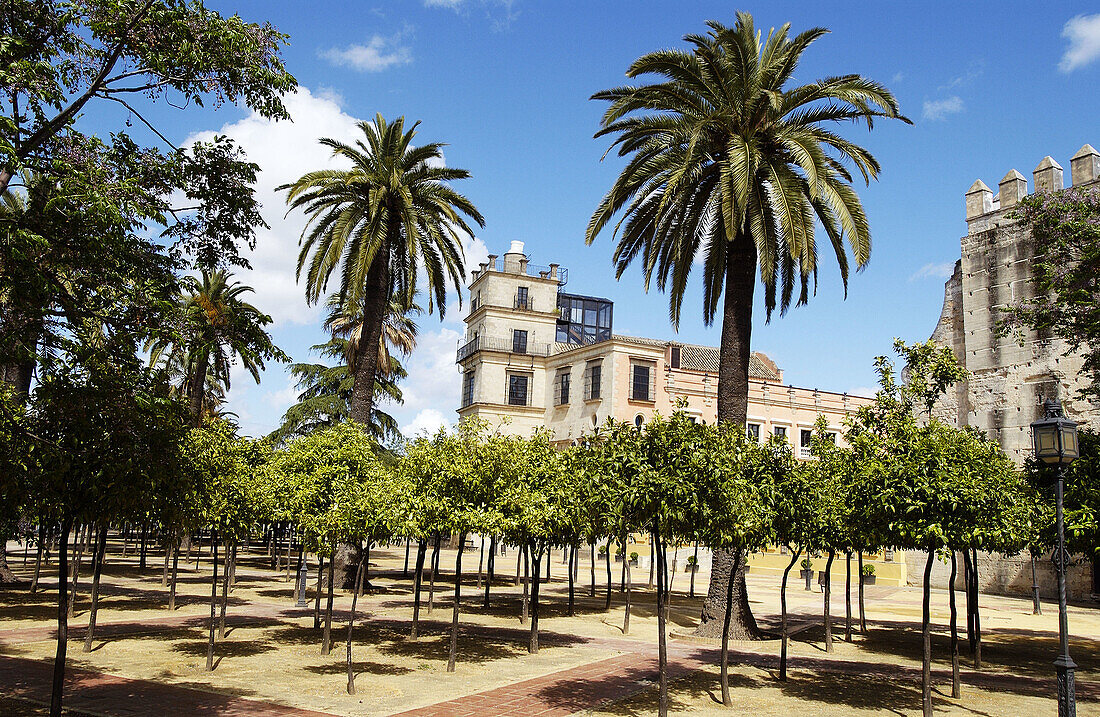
[
  {"x": 215, "y": 327},
  {"x": 731, "y": 165},
  {"x": 389, "y": 217},
  {"x": 326, "y": 391}
]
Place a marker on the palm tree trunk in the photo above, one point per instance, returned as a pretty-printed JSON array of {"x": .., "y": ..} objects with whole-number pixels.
[
  {"x": 196, "y": 389},
  {"x": 733, "y": 405},
  {"x": 376, "y": 299},
  {"x": 724, "y": 654}
]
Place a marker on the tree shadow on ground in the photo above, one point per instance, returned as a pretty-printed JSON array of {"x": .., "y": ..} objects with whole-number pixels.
[
  {"x": 224, "y": 648},
  {"x": 360, "y": 667},
  {"x": 1019, "y": 651},
  {"x": 634, "y": 692}
]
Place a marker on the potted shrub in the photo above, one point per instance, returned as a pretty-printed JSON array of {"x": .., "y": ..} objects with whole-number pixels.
[
  {"x": 618, "y": 554},
  {"x": 807, "y": 572},
  {"x": 692, "y": 564},
  {"x": 602, "y": 552},
  {"x": 868, "y": 574},
  {"x": 633, "y": 558}
]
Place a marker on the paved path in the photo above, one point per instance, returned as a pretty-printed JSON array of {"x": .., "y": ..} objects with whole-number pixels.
[
  {"x": 553, "y": 695},
  {"x": 101, "y": 694}
]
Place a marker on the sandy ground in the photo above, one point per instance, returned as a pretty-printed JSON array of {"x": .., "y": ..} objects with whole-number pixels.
[{"x": 279, "y": 658}]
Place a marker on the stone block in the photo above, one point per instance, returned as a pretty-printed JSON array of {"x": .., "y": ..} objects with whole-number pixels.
[
  {"x": 1012, "y": 189},
  {"x": 979, "y": 200},
  {"x": 1084, "y": 167},
  {"x": 1048, "y": 175}
]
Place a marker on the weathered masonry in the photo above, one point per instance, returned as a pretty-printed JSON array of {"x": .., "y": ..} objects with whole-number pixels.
[{"x": 1010, "y": 376}]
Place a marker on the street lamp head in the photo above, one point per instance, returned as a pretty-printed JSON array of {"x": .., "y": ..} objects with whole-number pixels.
[{"x": 1054, "y": 437}]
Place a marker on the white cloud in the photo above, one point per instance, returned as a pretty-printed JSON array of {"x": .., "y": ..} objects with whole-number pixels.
[
  {"x": 425, "y": 423},
  {"x": 1083, "y": 33},
  {"x": 973, "y": 72},
  {"x": 380, "y": 53},
  {"x": 864, "y": 391},
  {"x": 451, "y": 4},
  {"x": 940, "y": 109},
  {"x": 933, "y": 270},
  {"x": 898, "y": 77},
  {"x": 434, "y": 383},
  {"x": 284, "y": 152}
]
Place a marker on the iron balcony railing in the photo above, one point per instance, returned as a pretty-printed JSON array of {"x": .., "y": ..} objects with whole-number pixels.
[
  {"x": 523, "y": 303},
  {"x": 492, "y": 343}
]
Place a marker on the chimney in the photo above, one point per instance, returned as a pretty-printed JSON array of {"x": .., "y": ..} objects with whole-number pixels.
[
  {"x": 516, "y": 247},
  {"x": 1012, "y": 189},
  {"x": 1085, "y": 166},
  {"x": 979, "y": 200},
  {"x": 1048, "y": 175}
]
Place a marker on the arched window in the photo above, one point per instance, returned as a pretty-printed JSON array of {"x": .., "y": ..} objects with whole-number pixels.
[{"x": 639, "y": 420}]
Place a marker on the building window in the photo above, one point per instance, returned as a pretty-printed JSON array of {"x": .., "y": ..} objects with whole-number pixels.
[
  {"x": 674, "y": 357},
  {"x": 593, "y": 373},
  {"x": 583, "y": 320},
  {"x": 518, "y": 389},
  {"x": 519, "y": 341},
  {"x": 753, "y": 432},
  {"x": 831, "y": 437},
  {"x": 641, "y": 382},
  {"x": 639, "y": 420},
  {"x": 522, "y": 299},
  {"x": 805, "y": 438},
  {"x": 780, "y": 431},
  {"x": 561, "y": 388},
  {"x": 467, "y": 388}
]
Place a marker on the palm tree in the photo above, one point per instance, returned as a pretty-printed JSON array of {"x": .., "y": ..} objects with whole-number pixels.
[
  {"x": 215, "y": 327},
  {"x": 389, "y": 217},
  {"x": 729, "y": 166},
  {"x": 325, "y": 397}
]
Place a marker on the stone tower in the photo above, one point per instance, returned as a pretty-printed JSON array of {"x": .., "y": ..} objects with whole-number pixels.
[{"x": 1010, "y": 375}]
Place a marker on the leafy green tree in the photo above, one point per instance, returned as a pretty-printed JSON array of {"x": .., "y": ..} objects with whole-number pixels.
[
  {"x": 228, "y": 468},
  {"x": 106, "y": 440},
  {"x": 214, "y": 326},
  {"x": 728, "y": 161},
  {"x": 738, "y": 479},
  {"x": 125, "y": 49},
  {"x": 1065, "y": 274},
  {"x": 381, "y": 223},
  {"x": 927, "y": 486}
]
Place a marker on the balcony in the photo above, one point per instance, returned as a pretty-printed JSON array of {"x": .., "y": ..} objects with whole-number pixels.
[
  {"x": 492, "y": 343},
  {"x": 523, "y": 303}
]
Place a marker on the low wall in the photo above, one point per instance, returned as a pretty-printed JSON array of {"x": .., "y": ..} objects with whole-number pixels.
[{"x": 1005, "y": 575}]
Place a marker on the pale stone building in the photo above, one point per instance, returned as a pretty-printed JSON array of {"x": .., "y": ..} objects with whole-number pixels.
[
  {"x": 547, "y": 358},
  {"x": 1009, "y": 375},
  {"x": 539, "y": 356}
]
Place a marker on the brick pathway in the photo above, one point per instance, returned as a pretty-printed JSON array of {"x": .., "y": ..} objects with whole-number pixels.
[
  {"x": 553, "y": 695},
  {"x": 98, "y": 693}
]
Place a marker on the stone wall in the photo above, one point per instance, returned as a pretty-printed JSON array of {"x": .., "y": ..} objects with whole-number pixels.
[{"x": 1005, "y": 575}]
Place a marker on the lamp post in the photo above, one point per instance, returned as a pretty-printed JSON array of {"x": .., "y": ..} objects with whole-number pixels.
[{"x": 1055, "y": 441}]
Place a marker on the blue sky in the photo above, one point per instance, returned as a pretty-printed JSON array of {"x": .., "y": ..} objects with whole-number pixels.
[{"x": 506, "y": 85}]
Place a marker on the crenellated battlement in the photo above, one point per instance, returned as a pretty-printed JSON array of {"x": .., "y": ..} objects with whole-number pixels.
[{"x": 1047, "y": 177}]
